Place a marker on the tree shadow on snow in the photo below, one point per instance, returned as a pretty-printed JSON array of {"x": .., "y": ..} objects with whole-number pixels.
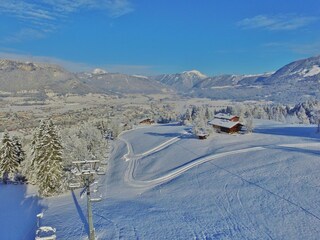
[
  {"x": 18, "y": 212},
  {"x": 308, "y": 132},
  {"x": 171, "y": 135},
  {"x": 299, "y": 150}
]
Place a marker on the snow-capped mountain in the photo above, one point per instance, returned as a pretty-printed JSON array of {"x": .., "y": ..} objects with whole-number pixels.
[
  {"x": 104, "y": 82},
  {"x": 35, "y": 78},
  {"x": 99, "y": 71},
  {"x": 228, "y": 81},
  {"x": 301, "y": 70},
  {"x": 181, "y": 81},
  {"x": 297, "y": 81},
  {"x": 16, "y": 76}
]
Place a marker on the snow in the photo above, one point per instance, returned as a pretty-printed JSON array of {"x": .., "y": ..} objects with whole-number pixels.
[
  {"x": 307, "y": 72},
  {"x": 224, "y": 116},
  {"x": 223, "y": 123},
  {"x": 194, "y": 73},
  {"x": 140, "y": 76},
  {"x": 99, "y": 71},
  {"x": 313, "y": 71},
  {"x": 163, "y": 183},
  {"x": 18, "y": 207}
]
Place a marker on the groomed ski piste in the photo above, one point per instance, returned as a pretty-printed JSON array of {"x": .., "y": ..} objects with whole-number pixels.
[{"x": 162, "y": 183}]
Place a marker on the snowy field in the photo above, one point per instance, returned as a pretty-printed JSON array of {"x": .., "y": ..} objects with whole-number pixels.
[{"x": 164, "y": 184}]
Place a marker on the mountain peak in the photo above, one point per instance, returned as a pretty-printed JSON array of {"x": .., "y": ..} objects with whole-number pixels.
[
  {"x": 99, "y": 71},
  {"x": 11, "y": 65},
  {"x": 194, "y": 73}
]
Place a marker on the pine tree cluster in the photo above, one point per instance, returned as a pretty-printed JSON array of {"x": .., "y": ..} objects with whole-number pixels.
[{"x": 11, "y": 156}]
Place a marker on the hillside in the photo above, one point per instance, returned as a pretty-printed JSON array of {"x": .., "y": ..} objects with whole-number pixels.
[
  {"x": 170, "y": 185},
  {"x": 101, "y": 81},
  {"x": 18, "y": 76}
]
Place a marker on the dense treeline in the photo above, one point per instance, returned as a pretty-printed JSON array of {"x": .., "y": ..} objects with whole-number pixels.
[{"x": 303, "y": 113}]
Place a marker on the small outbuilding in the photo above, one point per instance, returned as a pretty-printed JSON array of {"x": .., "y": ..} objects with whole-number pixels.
[{"x": 202, "y": 136}]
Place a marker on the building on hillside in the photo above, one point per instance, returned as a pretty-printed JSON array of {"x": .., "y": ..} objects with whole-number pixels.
[
  {"x": 229, "y": 117},
  {"x": 147, "y": 121},
  {"x": 202, "y": 135},
  {"x": 226, "y": 123}
]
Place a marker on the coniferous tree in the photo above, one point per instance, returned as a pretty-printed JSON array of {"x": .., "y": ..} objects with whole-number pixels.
[
  {"x": 49, "y": 162},
  {"x": 35, "y": 150},
  {"x": 187, "y": 115},
  {"x": 207, "y": 114},
  {"x": 20, "y": 154},
  {"x": 9, "y": 165},
  {"x": 194, "y": 113}
]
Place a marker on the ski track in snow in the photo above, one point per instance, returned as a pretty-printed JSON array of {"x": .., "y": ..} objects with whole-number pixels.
[
  {"x": 234, "y": 225},
  {"x": 132, "y": 159}
]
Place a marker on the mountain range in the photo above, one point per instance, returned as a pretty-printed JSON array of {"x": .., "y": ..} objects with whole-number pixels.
[{"x": 297, "y": 81}]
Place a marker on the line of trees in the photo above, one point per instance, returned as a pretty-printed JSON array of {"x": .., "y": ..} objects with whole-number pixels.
[{"x": 50, "y": 155}]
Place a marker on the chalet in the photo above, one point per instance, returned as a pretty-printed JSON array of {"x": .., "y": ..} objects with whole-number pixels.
[
  {"x": 229, "y": 117},
  {"x": 226, "y": 123},
  {"x": 147, "y": 121}
]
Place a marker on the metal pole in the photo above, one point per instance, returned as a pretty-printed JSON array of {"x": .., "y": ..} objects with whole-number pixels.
[{"x": 89, "y": 209}]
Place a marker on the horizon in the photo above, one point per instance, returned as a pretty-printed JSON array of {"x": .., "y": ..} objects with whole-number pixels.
[
  {"x": 69, "y": 66},
  {"x": 143, "y": 38}
]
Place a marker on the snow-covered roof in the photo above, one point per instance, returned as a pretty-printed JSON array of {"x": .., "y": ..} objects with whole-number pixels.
[
  {"x": 224, "y": 116},
  {"x": 223, "y": 123},
  {"x": 202, "y": 134}
]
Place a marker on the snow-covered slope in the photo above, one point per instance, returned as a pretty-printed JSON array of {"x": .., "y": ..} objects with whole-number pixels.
[
  {"x": 181, "y": 81},
  {"x": 164, "y": 184},
  {"x": 302, "y": 70},
  {"x": 102, "y": 82}
]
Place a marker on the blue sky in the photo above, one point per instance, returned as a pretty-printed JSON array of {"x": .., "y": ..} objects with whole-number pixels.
[{"x": 163, "y": 36}]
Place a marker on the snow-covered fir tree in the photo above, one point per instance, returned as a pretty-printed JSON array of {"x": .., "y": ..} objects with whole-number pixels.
[
  {"x": 9, "y": 165},
  {"x": 20, "y": 154},
  {"x": 207, "y": 114},
  {"x": 48, "y": 160},
  {"x": 187, "y": 115},
  {"x": 35, "y": 150},
  {"x": 194, "y": 112}
]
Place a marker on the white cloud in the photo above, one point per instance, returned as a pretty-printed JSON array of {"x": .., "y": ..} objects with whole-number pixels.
[
  {"x": 130, "y": 69},
  {"x": 25, "y": 33},
  {"x": 44, "y": 16},
  {"x": 309, "y": 49},
  {"x": 77, "y": 66},
  {"x": 69, "y": 65},
  {"x": 276, "y": 23}
]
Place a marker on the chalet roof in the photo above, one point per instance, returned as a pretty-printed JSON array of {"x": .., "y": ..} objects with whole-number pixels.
[
  {"x": 224, "y": 116},
  {"x": 223, "y": 123}
]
